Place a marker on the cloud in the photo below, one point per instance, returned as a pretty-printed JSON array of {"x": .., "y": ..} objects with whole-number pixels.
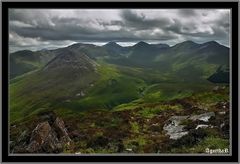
[{"x": 39, "y": 28}]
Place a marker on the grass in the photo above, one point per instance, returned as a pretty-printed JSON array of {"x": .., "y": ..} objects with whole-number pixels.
[
  {"x": 211, "y": 97},
  {"x": 212, "y": 143},
  {"x": 109, "y": 91},
  {"x": 134, "y": 127},
  {"x": 150, "y": 112}
]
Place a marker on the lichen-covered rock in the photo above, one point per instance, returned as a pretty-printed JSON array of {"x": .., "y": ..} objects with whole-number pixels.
[
  {"x": 52, "y": 144},
  {"x": 173, "y": 127},
  {"x": 60, "y": 129},
  {"x": 40, "y": 133},
  {"x": 203, "y": 117},
  {"x": 48, "y": 139},
  {"x": 34, "y": 147}
]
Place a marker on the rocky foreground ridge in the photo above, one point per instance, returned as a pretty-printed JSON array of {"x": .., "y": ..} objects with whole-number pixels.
[{"x": 47, "y": 137}]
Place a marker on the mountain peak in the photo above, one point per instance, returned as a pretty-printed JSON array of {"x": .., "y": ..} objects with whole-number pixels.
[
  {"x": 71, "y": 60},
  {"x": 186, "y": 44},
  {"x": 213, "y": 43},
  {"x": 112, "y": 44},
  {"x": 160, "y": 45},
  {"x": 23, "y": 52},
  {"x": 141, "y": 44}
]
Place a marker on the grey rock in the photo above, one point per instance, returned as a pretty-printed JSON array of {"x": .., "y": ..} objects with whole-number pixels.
[
  {"x": 23, "y": 137},
  {"x": 203, "y": 117},
  {"x": 173, "y": 127},
  {"x": 59, "y": 127},
  {"x": 216, "y": 88},
  {"x": 48, "y": 139},
  {"x": 201, "y": 126},
  {"x": 80, "y": 94}
]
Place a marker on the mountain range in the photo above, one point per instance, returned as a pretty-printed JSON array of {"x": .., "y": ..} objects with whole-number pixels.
[
  {"x": 145, "y": 98},
  {"x": 160, "y": 56},
  {"x": 71, "y": 73}
]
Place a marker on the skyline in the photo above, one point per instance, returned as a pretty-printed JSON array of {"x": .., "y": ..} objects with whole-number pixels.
[
  {"x": 122, "y": 44},
  {"x": 37, "y": 29}
]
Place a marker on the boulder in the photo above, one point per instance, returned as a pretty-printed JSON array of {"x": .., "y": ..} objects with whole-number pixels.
[
  {"x": 202, "y": 117},
  {"x": 40, "y": 133},
  {"x": 23, "y": 137},
  {"x": 48, "y": 139},
  {"x": 173, "y": 127},
  {"x": 34, "y": 147},
  {"x": 201, "y": 126},
  {"x": 60, "y": 129}
]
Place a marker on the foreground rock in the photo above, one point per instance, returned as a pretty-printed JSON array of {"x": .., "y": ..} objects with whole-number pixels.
[
  {"x": 175, "y": 128},
  {"x": 203, "y": 117},
  {"x": 46, "y": 138}
]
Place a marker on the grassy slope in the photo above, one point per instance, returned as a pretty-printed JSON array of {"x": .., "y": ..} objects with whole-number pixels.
[
  {"x": 116, "y": 86},
  {"x": 38, "y": 91},
  {"x": 131, "y": 119}
]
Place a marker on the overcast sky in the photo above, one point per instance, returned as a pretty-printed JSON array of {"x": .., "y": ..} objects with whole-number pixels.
[{"x": 36, "y": 29}]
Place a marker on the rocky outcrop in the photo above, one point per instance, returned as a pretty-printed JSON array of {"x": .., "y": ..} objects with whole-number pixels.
[
  {"x": 47, "y": 138},
  {"x": 203, "y": 117},
  {"x": 176, "y": 128},
  {"x": 173, "y": 127}
]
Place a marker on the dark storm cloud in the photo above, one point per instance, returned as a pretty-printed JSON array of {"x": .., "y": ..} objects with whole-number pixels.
[
  {"x": 41, "y": 28},
  {"x": 138, "y": 22},
  {"x": 187, "y": 12}
]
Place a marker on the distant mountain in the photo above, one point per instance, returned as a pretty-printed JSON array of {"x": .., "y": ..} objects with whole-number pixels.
[
  {"x": 221, "y": 75},
  {"x": 90, "y": 50},
  {"x": 187, "y": 60},
  {"x": 86, "y": 76},
  {"x": 143, "y": 53},
  {"x": 192, "y": 61},
  {"x": 70, "y": 74},
  {"x": 161, "y": 45},
  {"x": 115, "y": 49},
  {"x": 186, "y": 45},
  {"x": 112, "y": 46},
  {"x": 141, "y": 45},
  {"x": 71, "y": 60},
  {"x": 24, "y": 61},
  {"x": 140, "y": 54}
]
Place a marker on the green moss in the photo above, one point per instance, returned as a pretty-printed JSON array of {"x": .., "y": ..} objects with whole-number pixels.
[
  {"x": 213, "y": 143},
  {"x": 211, "y": 97},
  {"x": 137, "y": 144},
  {"x": 207, "y": 143},
  {"x": 150, "y": 112},
  {"x": 134, "y": 127}
]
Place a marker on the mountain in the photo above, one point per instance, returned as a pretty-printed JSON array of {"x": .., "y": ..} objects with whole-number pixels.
[
  {"x": 221, "y": 75},
  {"x": 66, "y": 76},
  {"x": 161, "y": 45},
  {"x": 139, "y": 55},
  {"x": 113, "y": 46},
  {"x": 192, "y": 61},
  {"x": 90, "y": 50},
  {"x": 186, "y": 45},
  {"x": 90, "y": 73},
  {"x": 25, "y": 61},
  {"x": 113, "y": 99},
  {"x": 115, "y": 49},
  {"x": 70, "y": 60}
]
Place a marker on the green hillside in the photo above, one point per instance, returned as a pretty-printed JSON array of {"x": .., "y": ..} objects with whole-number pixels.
[{"x": 121, "y": 101}]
